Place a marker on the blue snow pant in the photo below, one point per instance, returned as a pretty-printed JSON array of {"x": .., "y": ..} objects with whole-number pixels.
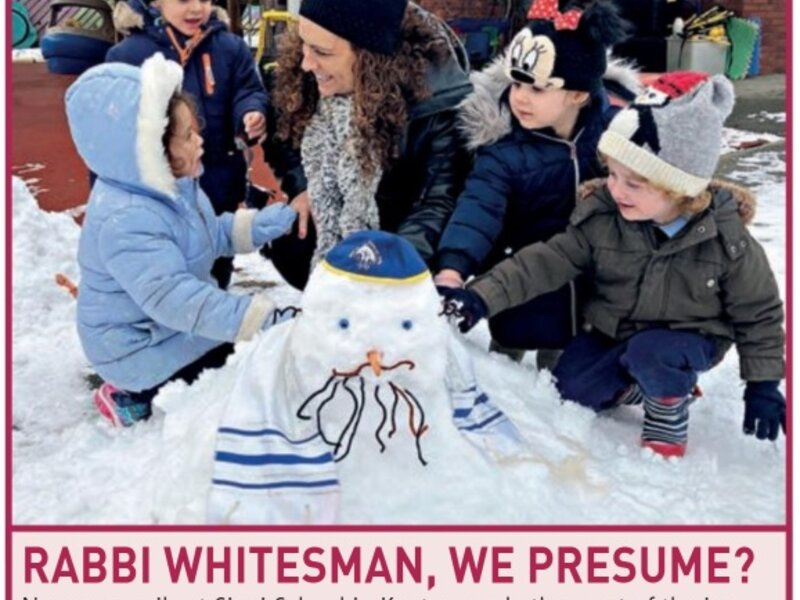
[
  {"x": 548, "y": 321},
  {"x": 595, "y": 369},
  {"x": 223, "y": 181}
]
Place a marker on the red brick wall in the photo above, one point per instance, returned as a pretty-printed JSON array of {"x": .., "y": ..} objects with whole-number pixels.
[
  {"x": 772, "y": 13},
  {"x": 773, "y": 29}
]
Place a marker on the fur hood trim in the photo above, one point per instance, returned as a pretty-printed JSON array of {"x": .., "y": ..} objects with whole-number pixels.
[
  {"x": 127, "y": 19},
  {"x": 160, "y": 79},
  {"x": 483, "y": 119},
  {"x": 745, "y": 200}
]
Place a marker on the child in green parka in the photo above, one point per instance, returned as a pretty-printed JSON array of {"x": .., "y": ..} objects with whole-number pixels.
[{"x": 676, "y": 277}]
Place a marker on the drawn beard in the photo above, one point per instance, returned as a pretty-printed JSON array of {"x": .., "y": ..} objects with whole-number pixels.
[{"x": 346, "y": 393}]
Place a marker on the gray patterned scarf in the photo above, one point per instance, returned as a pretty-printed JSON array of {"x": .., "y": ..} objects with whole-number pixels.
[{"x": 342, "y": 199}]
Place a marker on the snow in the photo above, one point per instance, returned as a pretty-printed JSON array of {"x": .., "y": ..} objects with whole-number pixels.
[
  {"x": 778, "y": 117},
  {"x": 70, "y": 467}
]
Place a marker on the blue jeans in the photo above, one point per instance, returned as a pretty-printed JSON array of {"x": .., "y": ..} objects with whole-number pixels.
[{"x": 595, "y": 369}]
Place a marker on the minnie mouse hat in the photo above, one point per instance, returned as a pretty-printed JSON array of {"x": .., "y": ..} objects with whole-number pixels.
[{"x": 565, "y": 50}]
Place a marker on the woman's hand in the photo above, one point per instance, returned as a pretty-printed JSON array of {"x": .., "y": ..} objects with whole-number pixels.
[{"x": 302, "y": 205}]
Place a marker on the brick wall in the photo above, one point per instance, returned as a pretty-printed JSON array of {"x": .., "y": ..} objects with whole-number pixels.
[
  {"x": 773, "y": 29},
  {"x": 772, "y": 13}
]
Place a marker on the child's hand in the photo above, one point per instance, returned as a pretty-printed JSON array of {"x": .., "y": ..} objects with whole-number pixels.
[
  {"x": 764, "y": 410},
  {"x": 272, "y": 222},
  {"x": 448, "y": 278},
  {"x": 464, "y": 307},
  {"x": 255, "y": 125}
]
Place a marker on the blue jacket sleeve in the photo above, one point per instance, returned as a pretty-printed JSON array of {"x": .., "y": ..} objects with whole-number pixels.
[
  {"x": 478, "y": 218},
  {"x": 249, "y": 94},
  {"x": 140, "y": 252}
]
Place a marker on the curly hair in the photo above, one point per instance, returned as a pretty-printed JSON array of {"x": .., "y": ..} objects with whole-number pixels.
[
  {"x": 178, "y": 97},
  {"x": 384, "y": 88}
]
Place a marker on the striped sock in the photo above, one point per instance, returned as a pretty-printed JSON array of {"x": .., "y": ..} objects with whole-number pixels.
[
  {"x": 666, "y": 425},
  {"x": 630, "y": 396}
]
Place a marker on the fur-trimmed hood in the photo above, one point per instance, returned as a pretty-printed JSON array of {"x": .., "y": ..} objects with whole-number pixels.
[
  {"x": 117, "y": 117},
  {"x": 484, "y": 118},
  {"x": 744, "y": 198},
  {"x": 140, "y": 14}
]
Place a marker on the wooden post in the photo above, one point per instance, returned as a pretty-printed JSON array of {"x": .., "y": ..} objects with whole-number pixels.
[{"x": 235, "y": 15}]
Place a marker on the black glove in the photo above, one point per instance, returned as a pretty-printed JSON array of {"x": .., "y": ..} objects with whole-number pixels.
[
  {"x": 764, "y": 410},
  {"x": 466, "y": 306}
]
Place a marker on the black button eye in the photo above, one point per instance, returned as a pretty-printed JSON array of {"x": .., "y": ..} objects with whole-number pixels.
[
  {"x": 344, "y": 323},
  {"x": 407, "y": 324}
]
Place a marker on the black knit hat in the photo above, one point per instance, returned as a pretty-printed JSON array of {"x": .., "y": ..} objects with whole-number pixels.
[
  {"x": 565, "y": 49},
  {"x": 373, "y": 25}
]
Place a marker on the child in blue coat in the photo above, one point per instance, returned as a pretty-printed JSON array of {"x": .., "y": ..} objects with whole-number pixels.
[
  {"x": 535, "y": 119},
  {"x": 149, "y": 310},
  {"x": 219, "y": 72}
]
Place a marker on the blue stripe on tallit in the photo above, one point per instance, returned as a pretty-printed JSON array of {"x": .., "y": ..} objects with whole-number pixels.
[
  {"x": 272, "y": 459},
  {"x": 483, "y": 423},
  {"x": 263, "y": 432},
  {"x": 278, "y": 485}
]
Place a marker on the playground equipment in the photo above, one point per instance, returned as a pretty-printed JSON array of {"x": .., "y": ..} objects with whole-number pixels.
[
  {"x": 271, "y": 24},
  {"x": 75, "y": 45}
]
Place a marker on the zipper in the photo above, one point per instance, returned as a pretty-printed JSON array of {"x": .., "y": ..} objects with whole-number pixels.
[
  {"x": 208, "y": 74},
  {"x": 573, "y": 156},
  {"x": 665, "y": 297},
  {"x": 573, "y": 300},
  {"x": 573, "y": 153}
]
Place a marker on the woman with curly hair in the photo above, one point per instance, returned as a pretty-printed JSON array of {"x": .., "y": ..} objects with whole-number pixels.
[{"x": 364, "y": 135}]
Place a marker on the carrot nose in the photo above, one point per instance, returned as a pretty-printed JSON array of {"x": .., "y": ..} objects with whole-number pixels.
[{"x": 374, "y": 358}]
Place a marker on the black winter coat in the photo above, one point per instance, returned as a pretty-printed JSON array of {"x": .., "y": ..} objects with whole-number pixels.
[
  {"x": 237, "y": 89},
  {"x": 417, "y": 193}
]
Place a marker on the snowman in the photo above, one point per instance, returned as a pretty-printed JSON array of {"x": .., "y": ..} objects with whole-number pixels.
[{"x": 367, "y": 393}]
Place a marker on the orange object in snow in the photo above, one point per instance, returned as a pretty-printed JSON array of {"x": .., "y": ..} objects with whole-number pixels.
[{"x": 67, "y": 284}]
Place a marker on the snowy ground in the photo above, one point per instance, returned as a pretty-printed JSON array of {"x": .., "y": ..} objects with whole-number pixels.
[{"x": 70, "y": 467}]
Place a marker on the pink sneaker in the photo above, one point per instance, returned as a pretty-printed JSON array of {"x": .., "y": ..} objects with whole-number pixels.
[{"x": 118, "y": 407}]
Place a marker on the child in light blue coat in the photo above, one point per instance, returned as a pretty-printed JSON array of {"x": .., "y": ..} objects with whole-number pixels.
[{"x": 149, "y": 310}]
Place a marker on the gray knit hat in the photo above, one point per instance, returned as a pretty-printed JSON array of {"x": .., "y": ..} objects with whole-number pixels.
[{"x": 672, "y": 134}]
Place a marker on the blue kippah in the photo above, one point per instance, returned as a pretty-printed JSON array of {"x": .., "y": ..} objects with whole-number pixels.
[{"x": 376, "y": 256}]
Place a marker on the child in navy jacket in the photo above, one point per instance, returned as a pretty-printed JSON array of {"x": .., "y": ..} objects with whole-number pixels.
[
  {"x": 535, "y": 118},
  {"x": 219, "y": 72}
]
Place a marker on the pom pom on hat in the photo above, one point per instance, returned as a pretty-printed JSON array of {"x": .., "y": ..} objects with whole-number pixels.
[
  {"x": 671, "y": 134},
  {"x": 376, "y": 257}
]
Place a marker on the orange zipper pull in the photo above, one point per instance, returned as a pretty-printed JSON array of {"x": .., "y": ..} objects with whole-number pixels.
[{"x": 209, "y": 74}]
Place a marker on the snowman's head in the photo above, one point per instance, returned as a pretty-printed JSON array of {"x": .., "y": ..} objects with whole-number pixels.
[
  {"x": 370, "y": 324},
  {"x": 371, "y": 307}
]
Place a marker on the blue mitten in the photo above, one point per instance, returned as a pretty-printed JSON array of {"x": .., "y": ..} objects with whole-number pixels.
[
  {"x": 764, "y": 410},
  {"x": 272, "y": 222},
  {"x": 464, "y": 306}
]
